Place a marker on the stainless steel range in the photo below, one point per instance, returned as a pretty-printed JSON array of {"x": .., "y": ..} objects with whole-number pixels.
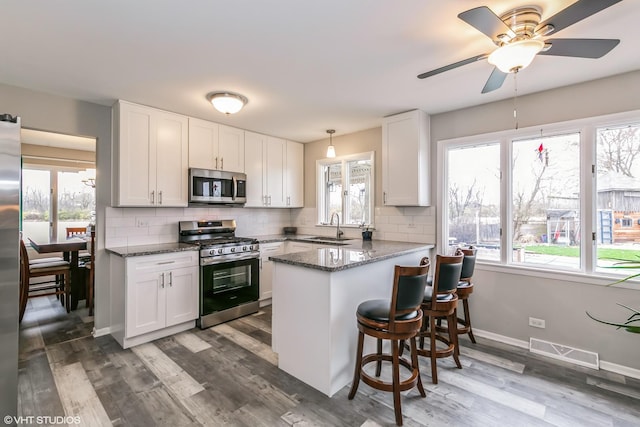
[{"x": 229, "y": 270}]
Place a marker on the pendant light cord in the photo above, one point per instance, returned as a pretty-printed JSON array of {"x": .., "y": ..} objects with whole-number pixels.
[{"x": 515, "y": 98}]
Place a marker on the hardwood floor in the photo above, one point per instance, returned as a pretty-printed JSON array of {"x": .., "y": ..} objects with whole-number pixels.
[{"x": 228, "y": 375}]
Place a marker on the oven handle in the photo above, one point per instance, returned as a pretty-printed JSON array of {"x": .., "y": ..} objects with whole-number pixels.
[{"x": 227, "y": 258}]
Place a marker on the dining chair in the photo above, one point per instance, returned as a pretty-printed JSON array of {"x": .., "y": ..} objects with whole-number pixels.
[
  {"x": 397, "y": 319},
  {"x": 76, "y": 232},
  {"x": 58, "y": 269},
  {"x": 90, "y": 270}
]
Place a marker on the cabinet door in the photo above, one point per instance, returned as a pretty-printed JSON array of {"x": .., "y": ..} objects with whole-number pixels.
[
  {"x": 203, "y": 144},
  {"x": 266, "y": 268},
  {"x": 135, "y": 177},
  {"x": 181, "y": 286},
  {"x": 275, "y": 166},
  {"x": 295, "y": 175},
  {"x": 172, "y": 165},
  {"x": 254, "y": 163},
  {"x": 145, "y": 303},
  {"x": 231, "y": 149},
  {"x": 405, "y": 159}
]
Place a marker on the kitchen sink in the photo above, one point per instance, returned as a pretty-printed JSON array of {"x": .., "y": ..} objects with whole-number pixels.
[{"x": 328, "y": 239}]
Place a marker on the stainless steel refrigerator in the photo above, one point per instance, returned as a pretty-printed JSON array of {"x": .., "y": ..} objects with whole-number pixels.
[{"x": 9, "y": 262}]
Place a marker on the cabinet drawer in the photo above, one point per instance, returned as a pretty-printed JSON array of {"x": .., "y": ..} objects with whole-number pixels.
[{"x": 164, "y": 261}]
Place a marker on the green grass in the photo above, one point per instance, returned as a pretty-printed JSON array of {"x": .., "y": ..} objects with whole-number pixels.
[{"x": 571, "y": 251}]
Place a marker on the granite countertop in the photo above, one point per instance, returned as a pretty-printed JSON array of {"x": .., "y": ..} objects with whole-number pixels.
[
  {"x": 160, "y": 248},
  {"x": 354, "y": 254}
]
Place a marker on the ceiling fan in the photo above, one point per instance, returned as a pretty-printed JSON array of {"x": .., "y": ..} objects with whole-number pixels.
[{"x": 518, "y": 34}]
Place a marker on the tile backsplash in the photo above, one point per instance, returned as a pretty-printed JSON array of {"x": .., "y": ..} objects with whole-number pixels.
[{"x": 145, "y": 226}]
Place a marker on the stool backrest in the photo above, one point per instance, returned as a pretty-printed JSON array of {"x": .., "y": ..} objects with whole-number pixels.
[
  {"x": 408, "y": 292},
  {"x": 468, "y": 262},
  {"x": 447, "y": 275}
]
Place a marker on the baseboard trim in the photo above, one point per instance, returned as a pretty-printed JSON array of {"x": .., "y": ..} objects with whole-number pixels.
[
  {"x": 620, "y": 369},
  {"x": 101, "y": 332},
  {"x": 604, "y": 365},
  {"x": 501, "y": 338}
]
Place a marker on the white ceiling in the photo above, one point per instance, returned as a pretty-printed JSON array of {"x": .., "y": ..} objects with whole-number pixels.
[{"x": 305, "y": 66}]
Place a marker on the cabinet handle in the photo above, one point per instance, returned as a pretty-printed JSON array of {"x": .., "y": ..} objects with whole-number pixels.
[
  {"x": 269, "y": 200},
  {"x": 222, "y": 163},
  {"x": 384, "y": 198},
  {"x": 260, "y": 263},
  {"x": 153, "y": 197},
  {"x": 288, "y": 200},
  {"x": 162, "y": 280},
  {"x": 171, "y": 278},
  {"x": 159, "y": 197},
  {"x": 216, "y": 163},
  {"x": 264, "y": 200}
]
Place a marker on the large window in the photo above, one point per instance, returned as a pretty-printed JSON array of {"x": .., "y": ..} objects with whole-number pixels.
[
  {"x": 566, "y": 197},
  {"x": 346, "y": 188},
  {"x": 54, "y": 199}
]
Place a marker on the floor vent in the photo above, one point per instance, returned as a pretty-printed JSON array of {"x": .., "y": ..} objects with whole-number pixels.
[{"x": 563, "y": 352}]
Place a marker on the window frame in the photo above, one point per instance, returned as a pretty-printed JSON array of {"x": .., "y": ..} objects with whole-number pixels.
[
  {"x": 321, "y": 200},
  {"x": 587, "y": 128}
]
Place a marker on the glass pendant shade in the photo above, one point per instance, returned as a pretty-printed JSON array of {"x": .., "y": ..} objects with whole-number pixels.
[
  {"x": 227, "y": 102},
  {"x": 331, "y": 151},
  {"x": 515, "y": 56}
]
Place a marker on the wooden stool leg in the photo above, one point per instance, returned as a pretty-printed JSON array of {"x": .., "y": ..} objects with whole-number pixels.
[
  {"x": 432, "y": 341},
  {"x": 414, "y": 363},
  {"x": 467, "y": 319},
  {"x": 452, "y": 325},
  {"x": 356, "y": 373},
  {"x": 379, "y": 353},
  {"x": 396, "y": 382}
]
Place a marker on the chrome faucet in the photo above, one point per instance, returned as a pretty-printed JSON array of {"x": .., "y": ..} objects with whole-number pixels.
[{"x": 338, "y": 232}]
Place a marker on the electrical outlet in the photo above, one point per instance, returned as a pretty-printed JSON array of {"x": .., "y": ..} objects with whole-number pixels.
[
  {"x": 141, "y": 222},
  {"x": 536, "y": 323}
]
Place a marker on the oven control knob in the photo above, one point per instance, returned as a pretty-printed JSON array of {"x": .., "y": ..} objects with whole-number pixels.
[
  {"x": 233, "y": 249},
  {"x": 220, "y": 250},
  {"x": 244, "y": 248}
]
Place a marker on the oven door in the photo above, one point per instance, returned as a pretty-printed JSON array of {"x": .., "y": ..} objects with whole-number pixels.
[{"x": 229, "y": 283}]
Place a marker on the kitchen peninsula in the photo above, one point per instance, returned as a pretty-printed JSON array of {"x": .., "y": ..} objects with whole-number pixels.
[{"x": 315, "y": 297}]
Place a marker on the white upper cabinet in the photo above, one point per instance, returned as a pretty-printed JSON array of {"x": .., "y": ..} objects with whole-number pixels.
[
  {"x": 405, "y": 159},
  {"x": 274, "y": 169},
  {"x": 215, "y": 146},
  {"x": 151, "y": 156},
  {"x": 295, "y": 175}
]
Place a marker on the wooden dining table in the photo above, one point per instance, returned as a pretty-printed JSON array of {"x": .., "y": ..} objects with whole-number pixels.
[{"x": 70, "y": 249}]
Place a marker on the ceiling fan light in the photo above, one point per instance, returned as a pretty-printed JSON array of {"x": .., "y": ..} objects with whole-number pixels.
[
  {"x": 227, "y": 102},
  {"x": 515, "y": 56}
]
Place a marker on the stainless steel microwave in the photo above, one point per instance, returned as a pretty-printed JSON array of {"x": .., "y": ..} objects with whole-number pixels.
[{"x": 217, "y": 187}]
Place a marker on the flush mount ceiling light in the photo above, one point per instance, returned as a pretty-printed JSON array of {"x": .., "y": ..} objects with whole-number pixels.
[
  {"x": 513, "y": 57},
  {"x": 331, "y": 151},
  {"x": 227, "y": 102}
]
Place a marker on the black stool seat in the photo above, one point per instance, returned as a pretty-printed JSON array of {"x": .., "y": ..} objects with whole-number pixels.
[{"x": 378, "y": 310}]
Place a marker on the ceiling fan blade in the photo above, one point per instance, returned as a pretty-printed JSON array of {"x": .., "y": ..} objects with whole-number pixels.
[
  {"x": 484, "y": 20},
  {"x": 576, "y": 12},
  {"x": 580, "y": 48},
  {"x": 495, "y": 80},
  {"x": 452, "y": 66}
]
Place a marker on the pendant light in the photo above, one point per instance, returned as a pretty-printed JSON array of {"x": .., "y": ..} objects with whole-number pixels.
[{"x": 331, "y": 151}]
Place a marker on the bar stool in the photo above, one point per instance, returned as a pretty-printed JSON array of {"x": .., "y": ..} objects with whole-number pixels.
[
  {"x": 440, "y": 302},
  {"x": 397, "y": 320},
  {"x": 465, "y": 288}
]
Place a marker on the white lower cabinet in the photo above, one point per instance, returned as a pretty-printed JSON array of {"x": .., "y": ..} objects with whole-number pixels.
[
  {"x": 266, "y": 267},
  {"x": 160, "y": 295}
]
